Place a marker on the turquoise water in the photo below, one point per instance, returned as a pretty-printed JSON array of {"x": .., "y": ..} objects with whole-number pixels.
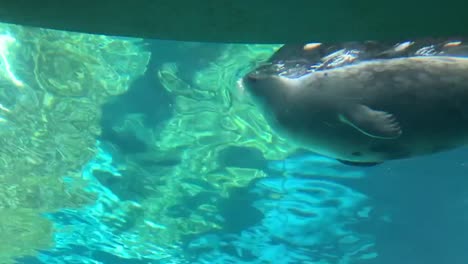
[{"x": 242, "y": 206}]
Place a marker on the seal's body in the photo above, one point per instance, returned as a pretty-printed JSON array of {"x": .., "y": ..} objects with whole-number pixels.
[{"x": 370, "y": 111}]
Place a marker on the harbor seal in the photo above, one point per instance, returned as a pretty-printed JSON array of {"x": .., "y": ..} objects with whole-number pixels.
[{"x": 370, "y": 109}]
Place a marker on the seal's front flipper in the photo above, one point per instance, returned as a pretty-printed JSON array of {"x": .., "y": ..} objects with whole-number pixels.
[
  {"x": 359, "y": 164},
  {"x": 373, "y": 123}
]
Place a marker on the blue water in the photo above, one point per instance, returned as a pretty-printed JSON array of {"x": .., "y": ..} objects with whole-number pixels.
[
  {"x": 307, "y": 209},
  {"x": 406, "y": 212}
]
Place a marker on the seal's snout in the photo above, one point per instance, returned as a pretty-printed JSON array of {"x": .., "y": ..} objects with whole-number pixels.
[
  {"x": 251, "y": 81},
  {"x": 252, "y": 77}
]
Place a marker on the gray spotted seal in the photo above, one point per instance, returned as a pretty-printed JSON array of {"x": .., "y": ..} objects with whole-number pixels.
[{"x": 367, "y": 109}]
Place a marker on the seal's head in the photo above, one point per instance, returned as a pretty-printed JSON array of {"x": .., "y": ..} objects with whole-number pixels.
[{"x": 266, "y": 89}]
